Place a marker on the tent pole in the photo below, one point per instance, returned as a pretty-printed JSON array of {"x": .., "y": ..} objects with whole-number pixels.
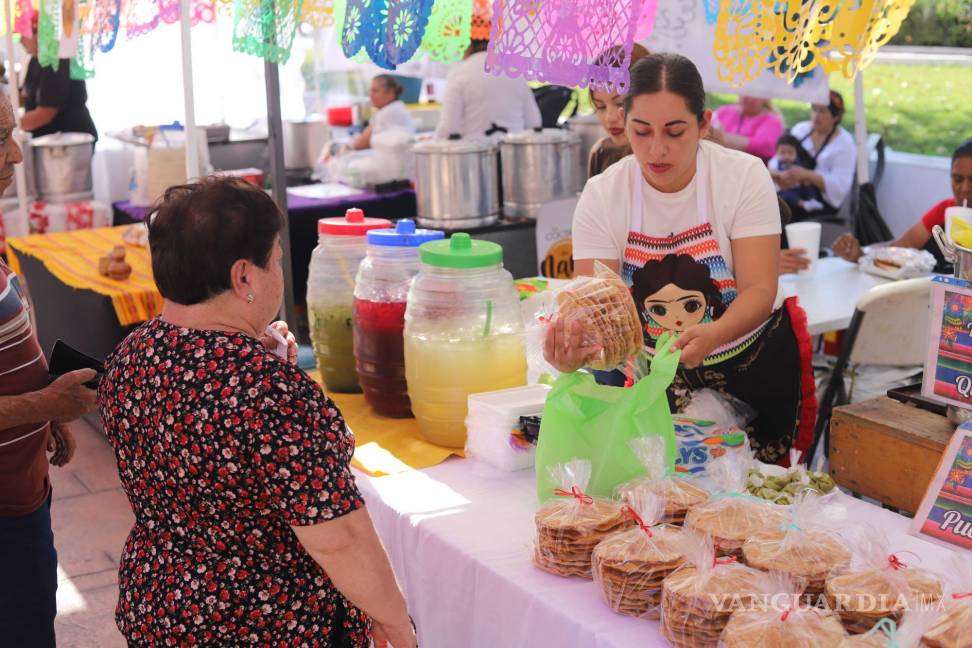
[
  {"x": 860, "y": 130},
  {"x": 192, "y": 136},
  {"x": 278, "y": 178},
  {"x": 13, "y": 82}
]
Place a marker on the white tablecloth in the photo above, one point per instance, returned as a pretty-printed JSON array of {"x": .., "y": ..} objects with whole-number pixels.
[
  {"x": 459, "y": 536},
  {"x": 830, "y": 294}
]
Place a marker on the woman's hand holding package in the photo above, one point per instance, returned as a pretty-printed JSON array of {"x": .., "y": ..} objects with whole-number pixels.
[
  {"x": 596, "y": 324},
  {"x": 563, "y": 345}
]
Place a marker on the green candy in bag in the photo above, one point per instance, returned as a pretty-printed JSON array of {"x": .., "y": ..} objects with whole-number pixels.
[{"x": 585, "y": 420}]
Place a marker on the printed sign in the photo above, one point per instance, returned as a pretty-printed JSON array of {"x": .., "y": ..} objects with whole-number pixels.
[
  {"x": 945, "y": 514},
  {"x": 555, "y": 251},
  {"x": 948, "y": 360}
]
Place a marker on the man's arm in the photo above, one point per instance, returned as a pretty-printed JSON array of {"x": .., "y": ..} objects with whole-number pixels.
[
  {"x": 64, "y": 399},
  {"x": 38, "y": 118}
]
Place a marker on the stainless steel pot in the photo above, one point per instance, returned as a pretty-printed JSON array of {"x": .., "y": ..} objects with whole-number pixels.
[
  {"x": 456, "y": 183},
  {"x": 303, "y": 141},
  {"x": 589, "y": 128},
  {"x": 62, "y": 163},
  {"x": 538, "y": 167},
  {"x": 28, "y": 166},
  {"x": 956, "y": 254}
]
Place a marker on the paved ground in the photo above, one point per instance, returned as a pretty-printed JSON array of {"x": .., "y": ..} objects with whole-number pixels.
[{"x": 91, "y": 521}]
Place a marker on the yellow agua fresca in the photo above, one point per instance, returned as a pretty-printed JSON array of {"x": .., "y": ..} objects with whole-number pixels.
[{"x": 442, "y": 373}]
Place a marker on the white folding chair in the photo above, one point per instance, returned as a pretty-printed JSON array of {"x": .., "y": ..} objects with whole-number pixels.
[{"x": 889, "y": 328}]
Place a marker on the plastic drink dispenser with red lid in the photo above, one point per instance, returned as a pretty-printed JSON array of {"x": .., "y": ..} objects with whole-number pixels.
[
  {"x": 341, "y": 246},
  {"x": 380, "y": 293}
]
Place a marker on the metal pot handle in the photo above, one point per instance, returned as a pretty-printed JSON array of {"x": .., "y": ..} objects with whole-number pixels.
[{"x": 948, "y": 250}]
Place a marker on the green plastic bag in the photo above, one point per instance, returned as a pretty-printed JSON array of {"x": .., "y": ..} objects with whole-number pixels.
[{"x": 584, "y": 420}]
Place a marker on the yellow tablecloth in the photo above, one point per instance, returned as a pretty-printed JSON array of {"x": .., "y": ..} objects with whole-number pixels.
[
  {"x": 386, "y": 446},
  {"x": 72, "y": 257}
]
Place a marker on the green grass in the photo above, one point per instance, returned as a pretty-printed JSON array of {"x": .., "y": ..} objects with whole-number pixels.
[{"x": 916, "y": 108}]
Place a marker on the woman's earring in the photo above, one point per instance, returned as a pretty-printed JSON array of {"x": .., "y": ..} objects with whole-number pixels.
[{"x": 249, "y": 298}]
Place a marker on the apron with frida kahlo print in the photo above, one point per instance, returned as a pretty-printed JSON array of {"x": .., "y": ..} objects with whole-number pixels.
[{"x": 683, "y": 280}]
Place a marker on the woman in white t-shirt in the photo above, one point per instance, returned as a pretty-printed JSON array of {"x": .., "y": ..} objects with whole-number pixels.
[
  {"x": 390, "y": 111},
  {"x": 694, "y": 229}
]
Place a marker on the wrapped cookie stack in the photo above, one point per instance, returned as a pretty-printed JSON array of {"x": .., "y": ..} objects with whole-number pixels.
[
  {"x": 805, "y": 547},
  {"x": 629, "y": 566},
  {"x": 602, "y": 309},
  {"x": 953, "y": 628},
  {"x": 781, "y": 620},
  {"x": 679, "y": 495},
  {"x": 877, "y": 584},
  {"x": 571, "y": 526},
  {"x": 701, "y": 595},
  {"x": 731, "y": 517}
]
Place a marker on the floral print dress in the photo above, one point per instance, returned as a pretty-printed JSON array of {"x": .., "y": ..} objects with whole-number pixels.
[{"x": 222, "y": 448}]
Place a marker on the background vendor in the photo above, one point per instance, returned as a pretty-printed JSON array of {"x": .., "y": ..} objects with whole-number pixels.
[
  {"x": 919, "y": 235},
  {"x": 476, "y": 102},
  {"x": 694, "y": 228},
  {"x": 390, "y": 111},
  {"x": 54, "y": 102}
]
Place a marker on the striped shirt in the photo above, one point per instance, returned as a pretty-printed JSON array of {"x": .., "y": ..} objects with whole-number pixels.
[{"x": 23, "y": 368}]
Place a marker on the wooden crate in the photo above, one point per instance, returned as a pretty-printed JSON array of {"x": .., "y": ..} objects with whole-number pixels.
[{"x": 887, "y": 450}]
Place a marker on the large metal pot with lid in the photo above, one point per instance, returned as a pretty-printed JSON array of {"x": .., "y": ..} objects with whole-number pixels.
[
  {"x": 539, "y": 166},
  {"x": 589, "y": 128},
  {"x": 456, "y": 183},
  {"x": 62, "y": 164}
]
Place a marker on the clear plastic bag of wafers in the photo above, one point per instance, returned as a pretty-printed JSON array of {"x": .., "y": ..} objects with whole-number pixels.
[
  {"x": 806, "y": 546},
  {"x": 599, "y": 314},
  {"x": 732, "y": 516},
  {"x": 878, "y": 582},
  {"x": 952, "y": 627},
  {"x": 571, "y": 525},
  {"x": 781, "y": 618},
  {"x": 679, "y": 494},
  {"x": 630, "y": 565},
  {"x": 699, "y": 597}
]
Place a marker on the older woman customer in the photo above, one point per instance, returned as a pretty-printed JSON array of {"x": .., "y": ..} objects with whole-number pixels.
[
  {"x": 248, "y": 525},
  {"x": 751, "y": 126},
  {"x": 833, "y": 153}
]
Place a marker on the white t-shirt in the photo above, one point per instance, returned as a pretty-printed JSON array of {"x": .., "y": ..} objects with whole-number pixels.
[
  {"x": 475, "y": 100},
  {"x": 393, "y": 115},
  {"x": 836, "y": 163},
  {"x": 741, "y": 202}
]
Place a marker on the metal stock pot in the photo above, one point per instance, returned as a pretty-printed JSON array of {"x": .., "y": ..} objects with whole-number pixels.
[
  {"x": 456, "y": 183},
  {"x": 539, "y": 166}
]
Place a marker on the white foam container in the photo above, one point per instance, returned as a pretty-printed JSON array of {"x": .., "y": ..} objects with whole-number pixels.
[{"x": 492, "y": 417}]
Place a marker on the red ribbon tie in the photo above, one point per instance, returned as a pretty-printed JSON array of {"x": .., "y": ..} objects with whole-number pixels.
[{"x": 576, "y": 493}]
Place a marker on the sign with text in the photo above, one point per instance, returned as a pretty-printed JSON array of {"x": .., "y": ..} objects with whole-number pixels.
[
  {"x": 945, "y": 514},
  {"x": 948, "y": 360},
  {"x": 555, "y": 251}
]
